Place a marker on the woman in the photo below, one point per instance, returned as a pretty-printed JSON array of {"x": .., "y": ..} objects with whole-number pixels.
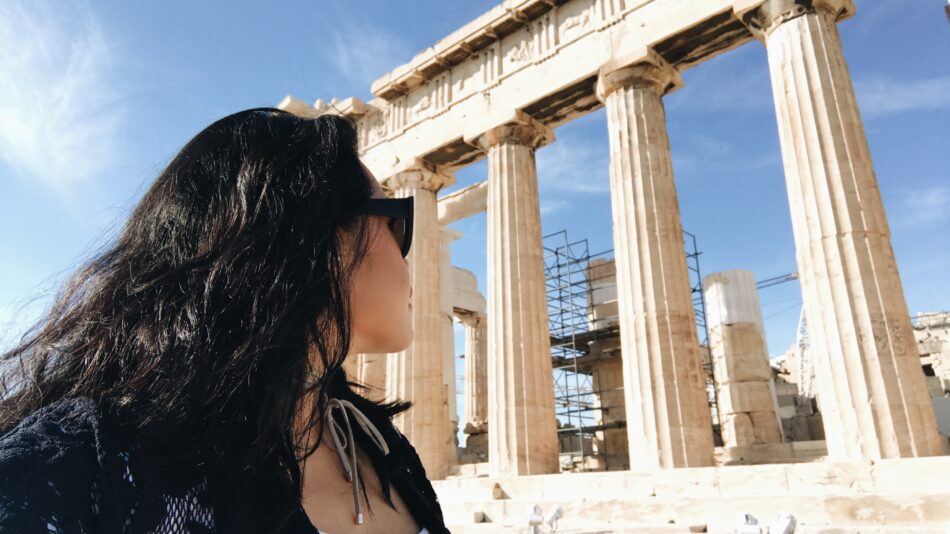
[{"x": 189, "y": 377}]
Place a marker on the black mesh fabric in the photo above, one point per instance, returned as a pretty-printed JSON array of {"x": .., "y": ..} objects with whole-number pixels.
[{"x": 63, "y": 470}]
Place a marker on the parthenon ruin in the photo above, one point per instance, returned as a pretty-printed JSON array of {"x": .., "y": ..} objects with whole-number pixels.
[{"x": 496, "y": 89}]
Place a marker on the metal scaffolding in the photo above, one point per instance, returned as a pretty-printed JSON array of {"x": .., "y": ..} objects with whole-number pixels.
[
  {"x": 702, "y": 329},
  {"x": 574, "y": 330},
  {"x": 569, "y": 303}
]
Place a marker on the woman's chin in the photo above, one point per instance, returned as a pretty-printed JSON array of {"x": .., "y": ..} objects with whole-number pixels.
[
  {"x": 406, "y": 343},
  {"x": 397, "y": 345}
]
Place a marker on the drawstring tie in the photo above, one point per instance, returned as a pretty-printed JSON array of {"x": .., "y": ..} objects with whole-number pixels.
[{"x": 344, "y": 439}]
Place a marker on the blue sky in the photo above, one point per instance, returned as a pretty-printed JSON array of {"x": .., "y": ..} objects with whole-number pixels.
[{"x": 95, "y": 98}]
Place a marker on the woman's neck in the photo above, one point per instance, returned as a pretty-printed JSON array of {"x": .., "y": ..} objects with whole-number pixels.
[{"x": 307, "y": 424}]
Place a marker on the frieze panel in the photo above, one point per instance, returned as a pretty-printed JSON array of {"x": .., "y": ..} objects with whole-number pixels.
[
  {"x": 575, "y": 19},
  {"x": 372, "y": 128},
  {"x": 466, "y": 77},
  {"x": 419, "y": 103},
  {"x": 519, "y": 49}
]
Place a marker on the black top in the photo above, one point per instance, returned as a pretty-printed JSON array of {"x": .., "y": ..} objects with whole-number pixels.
[{"x": 67, "y": 468}]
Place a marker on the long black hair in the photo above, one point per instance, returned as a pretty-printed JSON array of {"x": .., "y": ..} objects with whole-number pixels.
[{"x": 220, "y": 313}]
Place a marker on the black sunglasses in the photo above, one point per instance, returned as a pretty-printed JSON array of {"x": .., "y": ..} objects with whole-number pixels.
[{"x": 401, "y": 211}]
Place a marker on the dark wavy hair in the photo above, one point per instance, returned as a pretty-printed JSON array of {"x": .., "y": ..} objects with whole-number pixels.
[{"x": 220, "y": 312}]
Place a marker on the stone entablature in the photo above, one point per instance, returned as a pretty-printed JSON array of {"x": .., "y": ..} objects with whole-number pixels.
[{"x": 535, "y": 56}]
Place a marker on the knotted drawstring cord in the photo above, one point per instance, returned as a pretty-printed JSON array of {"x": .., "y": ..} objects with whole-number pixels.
[{"x": 343, "y": 440}]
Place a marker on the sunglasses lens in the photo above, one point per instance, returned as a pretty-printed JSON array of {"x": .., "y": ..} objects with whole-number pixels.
[{"x": 398, "y": 228}]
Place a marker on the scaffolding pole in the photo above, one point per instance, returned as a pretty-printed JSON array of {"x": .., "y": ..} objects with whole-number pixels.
[{"x": 702, "y": 328}]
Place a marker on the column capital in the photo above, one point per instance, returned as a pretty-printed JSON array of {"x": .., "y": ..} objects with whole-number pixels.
[
  {"x": 417, "y": 174},
  {"x": 645, "y": 68},
  {"x": 521, "y": 129},
  {"x": 448, "y": 234},
  {"x": 470, "y": 318},
  {"x": 763, "y": 16}
]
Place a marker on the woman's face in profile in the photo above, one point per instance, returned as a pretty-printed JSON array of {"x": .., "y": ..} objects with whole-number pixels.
[{"x": 381, "y": 291}]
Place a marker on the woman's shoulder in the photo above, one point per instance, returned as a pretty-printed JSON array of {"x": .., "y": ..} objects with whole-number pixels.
[
  {"x": 50, "y": 457},
  {"x": 71, "y": 466},
  {"x": 64, "y": 433}
]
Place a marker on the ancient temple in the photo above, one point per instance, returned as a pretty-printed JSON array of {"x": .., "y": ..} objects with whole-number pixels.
[{"x": 495, "y": 89}]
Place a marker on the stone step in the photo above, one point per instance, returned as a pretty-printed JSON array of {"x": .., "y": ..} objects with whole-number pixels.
[
  {"x": 720, "y": 515},
  {"x": 904, "y": 476},
  {"x": 470, "y": 470},
  {"x": 909, "y": 494},
  {"x": 874, "y": 530},
  {"x": 488, "y": 528}
]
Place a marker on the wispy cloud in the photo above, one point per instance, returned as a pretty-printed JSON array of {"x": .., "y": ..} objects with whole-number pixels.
[
  {"x": 549, "y": 206},
  {"x": 925, "y": 206},
  {"x": 705, "y": 155},
  {"x": 737, "y": 81},
  {"x": 363, "y": 53},
  {"x": 881, "y": 96},
  {"x": 575, "y": 166},
  {"x": 59, "y": 115},
  {"x": 874, "y": 16},
  {"x": 22, "y": 312}
]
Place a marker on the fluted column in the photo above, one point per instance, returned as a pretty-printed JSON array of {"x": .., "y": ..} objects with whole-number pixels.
[
  {"x": 611, "y": 441},
  {"x": 369, "y": 369},
  {"x": 740, "y": 357},
  {"x": 668, "y": 419},
  {"x": 416, "y": 374},
  {"x": 523, "y": 437},
  {"x": 476, "y": 372},
  {"x": 351, "y": 365},
  {"x": 447, "y": 236},
  {"x": 871, "y": 388}
]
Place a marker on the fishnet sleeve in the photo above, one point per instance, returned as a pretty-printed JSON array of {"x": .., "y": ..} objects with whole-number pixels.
[{"x": 48, "y": 475}]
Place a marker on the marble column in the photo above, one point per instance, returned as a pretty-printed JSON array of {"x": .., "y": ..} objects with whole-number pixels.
[
  {"x": 523, "y": 437},
  {"x": 351, "y": 366},
  {"x": 607, "y": 379},
  {"x": 447, "y": 236},
  {"x": 668, "y": 419},
  {"x": 369, "y": 369},
  {"x": 416, "y": 374},
  {"x": 745, "y": 391},
  {"x": 871, "y": 388},
  {"x": 476, "y": 372}
]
